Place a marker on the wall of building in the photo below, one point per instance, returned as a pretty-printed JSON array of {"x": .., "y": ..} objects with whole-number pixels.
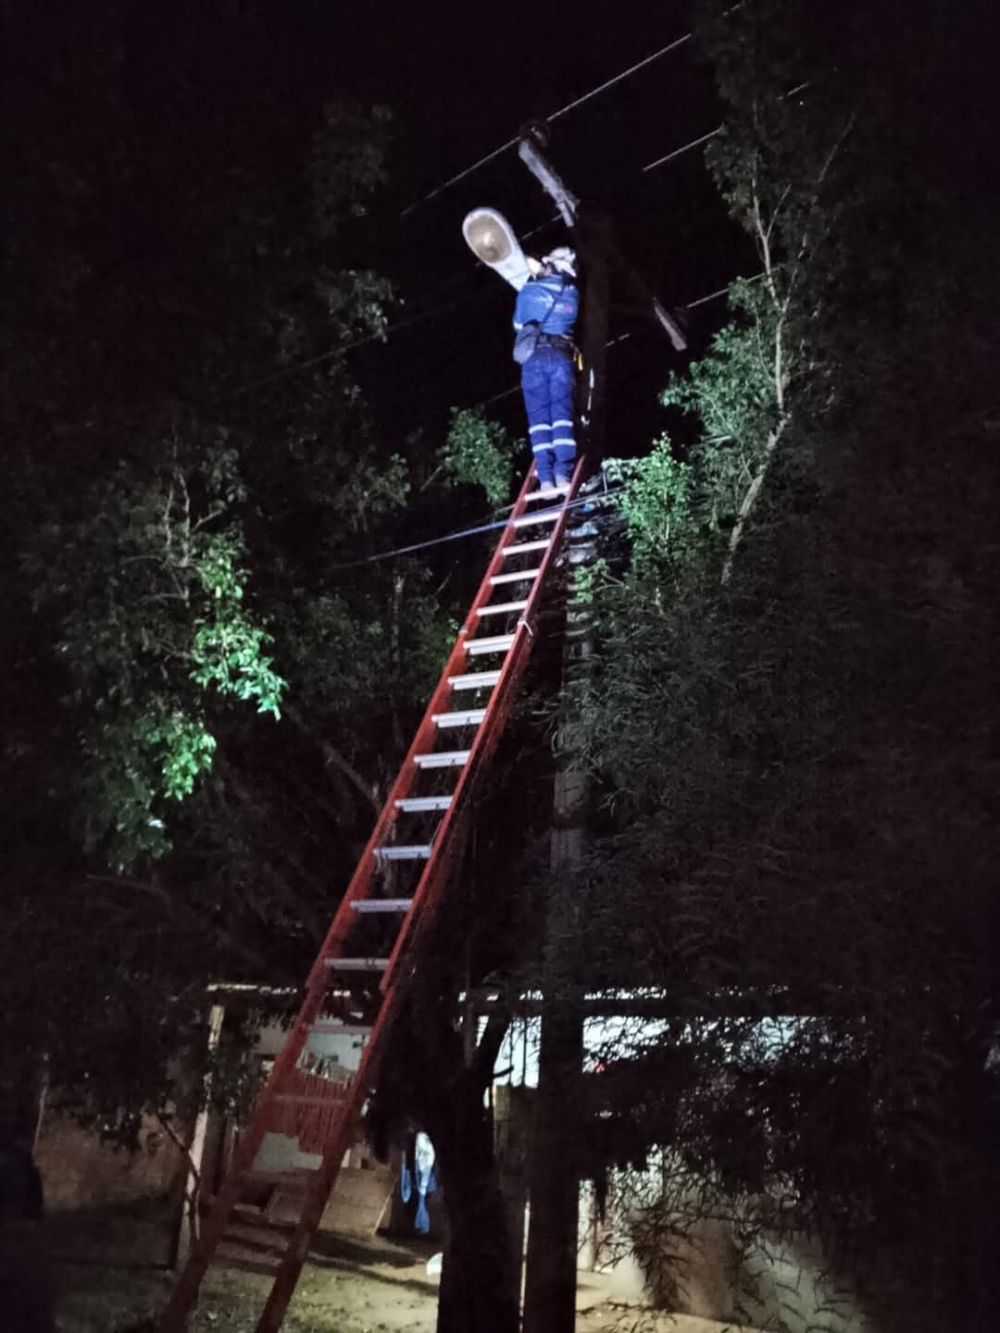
[{"x": 79, "y": 1170}]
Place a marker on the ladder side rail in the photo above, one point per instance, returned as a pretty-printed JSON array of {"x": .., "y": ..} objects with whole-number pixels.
[
  {"x": 186, "y": 1289},
  {"x": 545, "y": 564},
  {"x": 320, "y": 1185},
  {"x": 395, "y": 983},
  {"x": 360, "y": 882},
  {"x": 432, "y": 881},
  {"x": 426, "y": 898},
  {"x": 507, "y": 537}
]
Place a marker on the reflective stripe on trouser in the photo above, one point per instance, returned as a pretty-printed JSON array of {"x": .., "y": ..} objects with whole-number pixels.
[{"x": 548, "y": 383}]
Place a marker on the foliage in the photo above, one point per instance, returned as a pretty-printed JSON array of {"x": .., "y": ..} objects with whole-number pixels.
[
  {"x": 142, "y": 587},
  {"x": 658, "y": 508},
  {"x": 209, "y": 690},
  {"x": 479, "y": 452},
  {"x": 785, "y": 714}
]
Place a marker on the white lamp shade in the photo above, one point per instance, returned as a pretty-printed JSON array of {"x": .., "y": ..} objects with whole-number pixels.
[{"x": 491, "y": 239}]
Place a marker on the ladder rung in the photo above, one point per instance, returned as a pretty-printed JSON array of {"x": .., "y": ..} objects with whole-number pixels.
[
  {"x": 290, "y": 1176},
  {"x": 324, "y": 1028},
  {"x": 475, "y": 680},
  {"x": 522, "y": 548},
  {"x": 501, "y": 608},
  {"x": 542, "y": 495},
  {"x": 498, "y": 644},
  {"x": 442, "y": 759},
  {"x": 412, "y": 852},
  {"x": 358, "y": 964},
  {"x": 365, "y": 905},
  {"x": 413, "y": 805},
  {"x": 461, "y": 717},
  {"x": 305, "y": 1099},
  {"x": 538, "y": 517},
  {"x": 517, "y": 575}
]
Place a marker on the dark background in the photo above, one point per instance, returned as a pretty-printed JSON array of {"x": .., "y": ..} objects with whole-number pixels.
[{"x": 207, "y": 85}]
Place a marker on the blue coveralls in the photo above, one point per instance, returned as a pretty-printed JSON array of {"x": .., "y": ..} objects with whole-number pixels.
[{"x": 547, "y": 377}]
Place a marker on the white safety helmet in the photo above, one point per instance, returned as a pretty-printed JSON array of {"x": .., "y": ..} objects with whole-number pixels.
[{"x": 563, "y": 259}]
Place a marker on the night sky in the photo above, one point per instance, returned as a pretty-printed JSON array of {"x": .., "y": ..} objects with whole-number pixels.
[
  {"x": 460, "y": 81},
  {"x": 460, "y": 87}
]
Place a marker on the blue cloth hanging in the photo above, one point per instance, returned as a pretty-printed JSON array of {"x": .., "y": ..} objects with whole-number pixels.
[{"x": 422, "y": 1177}]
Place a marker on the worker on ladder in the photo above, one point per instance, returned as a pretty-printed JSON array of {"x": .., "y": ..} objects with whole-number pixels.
[{"x": 546, "y": 311}]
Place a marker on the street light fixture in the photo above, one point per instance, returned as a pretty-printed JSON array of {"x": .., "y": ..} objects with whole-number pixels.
[{"x": 491, "y": 239}]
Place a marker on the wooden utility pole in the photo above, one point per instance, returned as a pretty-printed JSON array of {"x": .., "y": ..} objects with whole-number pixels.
[
  {"x": 555, "y": 1166},
  {"x": 554, "y": 1163}
]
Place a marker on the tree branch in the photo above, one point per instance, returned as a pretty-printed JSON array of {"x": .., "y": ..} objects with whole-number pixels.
[
  {"x": 485, "y": 1056},
  {"x": 750, "y": 499},
  {"x": 171, "y": 907},
  {"x": 336, "y": 760}
]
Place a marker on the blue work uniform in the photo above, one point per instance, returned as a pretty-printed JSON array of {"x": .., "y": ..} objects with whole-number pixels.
[{"x": 552, "y": 301}]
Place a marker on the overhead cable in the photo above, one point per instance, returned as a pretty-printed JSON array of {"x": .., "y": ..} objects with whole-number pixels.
[
  {"x": 685, "y": 148},
  {"x": 562, "y": 111},
  {"x": 493, "y": 525},
  {"x": 704, "y": 138},
  {"x": 626, "y": 73},
  {"x": 451, "y": 537},
  {"x": 691, "y": 305},
  {"x": 380, "y": 336}
]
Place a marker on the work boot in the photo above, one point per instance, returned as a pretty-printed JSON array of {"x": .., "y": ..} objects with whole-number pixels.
[
  {"x": 548, "y": 488},
  {"x": 562, "y": 484}
]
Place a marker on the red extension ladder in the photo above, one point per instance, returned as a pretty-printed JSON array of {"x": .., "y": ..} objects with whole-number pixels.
[{"x": 421, "y": 823}]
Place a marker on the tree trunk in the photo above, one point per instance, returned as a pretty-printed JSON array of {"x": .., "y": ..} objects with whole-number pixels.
[
  {"x": 550, "y": 1284},
  {"x": 553, "y": 1232},
  {"x": 427, "y": 1075},
  {"x": 479, "y": 1287}
]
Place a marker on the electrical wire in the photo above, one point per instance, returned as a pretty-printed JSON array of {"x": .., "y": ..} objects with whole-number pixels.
[
  {"x": 562, "y": 111},
  {"x": 364, "y": 341},
  {"x": 556, "y": 115},
  {"x": 625, "y": 74},
  {"x": 459, "y": 176},
  {"x": 452, "y": 536},
  {"x": 691, "y": 305},
  {"x": 492, "y": 526},
  {"x": 402, "y": 324},
  {"x": 685, "y": 148},
  {"x": 433, "y": 313},
  {"x": 704, "y": 138}
]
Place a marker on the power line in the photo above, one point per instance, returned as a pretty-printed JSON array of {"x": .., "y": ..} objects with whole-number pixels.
[
  {"x": 449, "y": 537},
  {"x": 480, "y": 528},
  {"x": 714, "y": 296},
  {"x": 691, "y": 305},
  {"x": 364, "y": 341},
  {"x": 443, "y": 309},
  {"x": 564, "y": 110},
  {"x": 402, "y": 324},
  {"x": 459, "y": 176},
  {"x": 704, "y": 138},
  {"x": 685, "y": 148},
  {"x": 556, "y": 115},
  {"x": 626, "y": 73}
]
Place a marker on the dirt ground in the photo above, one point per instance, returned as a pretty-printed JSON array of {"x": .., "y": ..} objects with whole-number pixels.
[{"x": 348, "y": 1286}]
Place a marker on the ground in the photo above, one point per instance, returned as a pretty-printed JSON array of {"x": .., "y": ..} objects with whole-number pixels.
[{"x": 348, "y": 1286}]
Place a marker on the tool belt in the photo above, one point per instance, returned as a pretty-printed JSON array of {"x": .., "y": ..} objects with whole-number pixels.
[{"x": 557, "y": 340}]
